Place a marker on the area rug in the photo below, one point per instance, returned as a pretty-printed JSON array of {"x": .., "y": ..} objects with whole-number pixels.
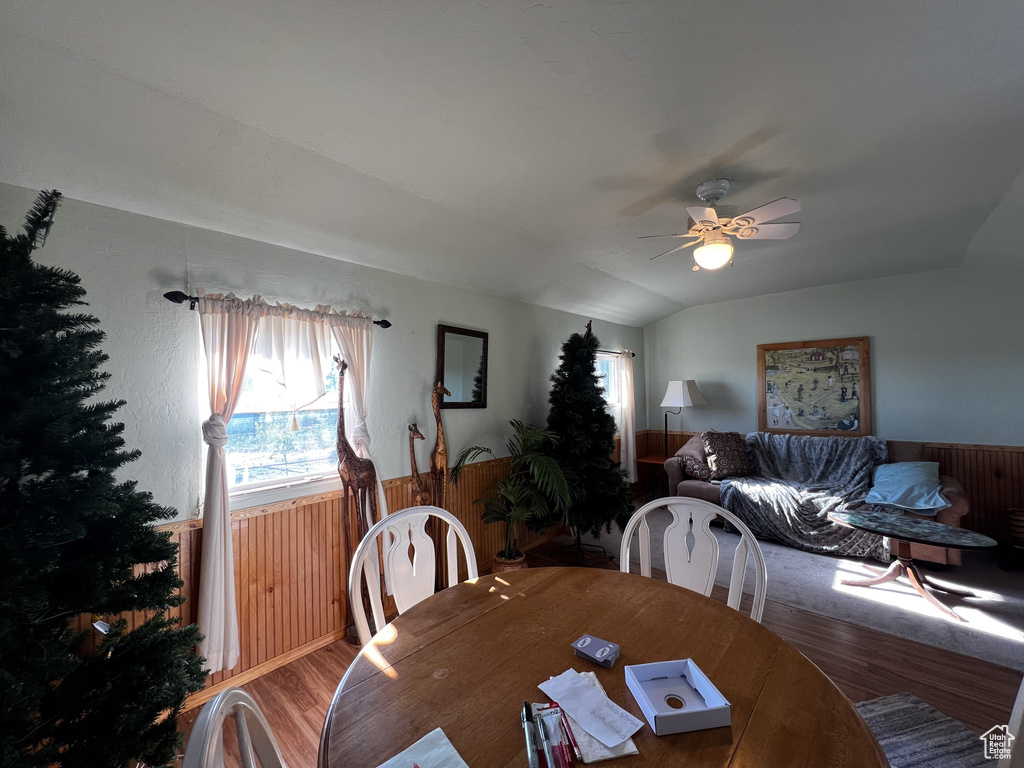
[
  {"x": 993, "y": 623},
  {"x": 915, "y": 735}
]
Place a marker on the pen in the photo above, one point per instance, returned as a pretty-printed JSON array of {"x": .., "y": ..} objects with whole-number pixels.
[
  {"x": 545, "y": 742},
  {"x": 570, "y": 739},
  {"x": 531, "y": 747}
]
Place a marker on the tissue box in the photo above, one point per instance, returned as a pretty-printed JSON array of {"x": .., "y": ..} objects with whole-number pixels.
[{"x": 677, "y": 697}]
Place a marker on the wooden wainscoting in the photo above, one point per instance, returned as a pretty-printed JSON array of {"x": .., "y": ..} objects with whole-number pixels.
[
  {"x": 476, "y": 481},
  {"x": 992, "y": 475},
  {"x": 291, "y": 594}
]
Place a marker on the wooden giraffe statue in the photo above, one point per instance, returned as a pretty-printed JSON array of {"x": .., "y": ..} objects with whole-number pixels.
[
  {"x": 439, "y": 457},
  {"x": 419, "y": 493},
  {"x": 358, "y": 475}
]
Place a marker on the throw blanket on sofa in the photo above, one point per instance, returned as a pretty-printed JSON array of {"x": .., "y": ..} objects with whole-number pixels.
[{"x": 797, "y": 481}]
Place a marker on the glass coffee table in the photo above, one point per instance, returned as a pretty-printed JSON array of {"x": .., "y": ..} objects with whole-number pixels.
[{"x": 904, "y": 530}]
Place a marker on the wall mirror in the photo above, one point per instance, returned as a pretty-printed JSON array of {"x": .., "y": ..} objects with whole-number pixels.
[{"x": 462, "y": 366}]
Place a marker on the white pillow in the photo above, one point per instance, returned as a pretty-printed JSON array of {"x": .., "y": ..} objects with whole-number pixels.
[{"x": 912, "y": 485}]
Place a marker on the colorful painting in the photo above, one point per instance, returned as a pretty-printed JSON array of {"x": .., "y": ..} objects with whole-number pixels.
[{"x": 818, "y": 387}]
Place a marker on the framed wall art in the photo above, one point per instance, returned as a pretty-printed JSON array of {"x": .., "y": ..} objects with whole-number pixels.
[{"x": 820, "y": 387}]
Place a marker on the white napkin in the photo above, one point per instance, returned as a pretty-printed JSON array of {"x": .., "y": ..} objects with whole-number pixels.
[
  {"x": 432, "y": 751},
  {"x": 591, "y": 748}
]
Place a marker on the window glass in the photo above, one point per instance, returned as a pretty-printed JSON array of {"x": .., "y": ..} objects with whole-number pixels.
[
  {"x": 606, "y": 370},
  {"x": 282, "y": 434}
]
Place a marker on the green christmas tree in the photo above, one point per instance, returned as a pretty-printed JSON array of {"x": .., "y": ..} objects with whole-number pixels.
[
  {"x": 74, "y": 540},
  {"x": 586, "y": 442}
]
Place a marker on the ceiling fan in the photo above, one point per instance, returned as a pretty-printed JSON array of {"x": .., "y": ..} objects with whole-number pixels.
[{"x": 713, "y": 233}]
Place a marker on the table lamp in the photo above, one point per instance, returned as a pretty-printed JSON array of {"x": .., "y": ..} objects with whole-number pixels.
[{"x": 680, "y": 394}]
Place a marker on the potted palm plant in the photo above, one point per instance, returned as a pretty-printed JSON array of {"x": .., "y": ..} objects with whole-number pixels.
[{"x": 535, "y": 488}]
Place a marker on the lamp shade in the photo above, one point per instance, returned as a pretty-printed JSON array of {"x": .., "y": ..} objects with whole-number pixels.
[
  {"x": 682, "y": 394},
  {"x": 714, "y": 255}
]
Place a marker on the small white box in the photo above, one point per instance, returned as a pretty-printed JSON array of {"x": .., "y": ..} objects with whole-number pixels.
[{"x": 657, "y": 684}]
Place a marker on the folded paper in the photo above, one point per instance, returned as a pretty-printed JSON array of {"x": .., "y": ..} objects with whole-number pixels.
[{"x": 591, "y": 708}]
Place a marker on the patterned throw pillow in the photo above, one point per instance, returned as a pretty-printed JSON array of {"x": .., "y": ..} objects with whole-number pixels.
[
  {"x": 696, "y": 469},
  {"x": 727, "y": 454}
]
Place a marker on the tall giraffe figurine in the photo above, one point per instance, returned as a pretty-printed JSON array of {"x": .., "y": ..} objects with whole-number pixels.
[
  {"x": 419, "y": 493},
  {"x": 358, "y": 476},
  {"x": 439, "y": 457}
]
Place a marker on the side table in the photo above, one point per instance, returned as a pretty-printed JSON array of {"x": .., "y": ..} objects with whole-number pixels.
[{"x": 655, "y": 464}]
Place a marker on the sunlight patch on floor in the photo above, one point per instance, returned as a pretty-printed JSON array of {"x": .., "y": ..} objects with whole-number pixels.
[{"x": 901, "y": 595}]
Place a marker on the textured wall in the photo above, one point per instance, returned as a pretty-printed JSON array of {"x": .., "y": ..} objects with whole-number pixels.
[
  {"x": 128, "y": 261},
  {"x": 947, "y": 353}
]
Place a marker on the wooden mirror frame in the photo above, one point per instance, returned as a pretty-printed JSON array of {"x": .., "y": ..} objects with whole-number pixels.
[{"x": 439, "y": 372}]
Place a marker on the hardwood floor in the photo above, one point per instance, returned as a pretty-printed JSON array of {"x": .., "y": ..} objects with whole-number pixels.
[{"x": 863, "y": 663}]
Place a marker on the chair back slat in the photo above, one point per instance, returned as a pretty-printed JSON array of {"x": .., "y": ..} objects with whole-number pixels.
[
  {"x": 410, "y": 559},
  {"x": 412, "y": 576},
  {"x": 692, "y": 551},
  {"x": 645, "y": 548},
  {"x": 451, "y": 549}
]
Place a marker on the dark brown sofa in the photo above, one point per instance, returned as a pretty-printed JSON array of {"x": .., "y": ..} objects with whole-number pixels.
[{"x": 899, "y": 450}]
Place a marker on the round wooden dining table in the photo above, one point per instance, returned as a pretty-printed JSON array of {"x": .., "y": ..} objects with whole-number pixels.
[{"x": 466, "y": 659}]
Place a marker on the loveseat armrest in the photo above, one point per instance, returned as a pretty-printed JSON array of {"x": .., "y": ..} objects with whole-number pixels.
[
  {"x": 959, "y": 504},
  {"x": 674, "y": 470}
]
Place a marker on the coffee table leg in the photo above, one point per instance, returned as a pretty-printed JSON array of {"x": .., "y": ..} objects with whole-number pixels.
[
  {"x": 891, "y": 573},
  {"x": 918, "y": 582}
]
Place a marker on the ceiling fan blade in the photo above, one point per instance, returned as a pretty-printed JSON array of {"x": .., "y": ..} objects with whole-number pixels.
[
  {"x": 648, "y": 237},
  {"x": 701, "y": 214},
  {"x": 684, "y": 245},
  {"x": 784, "y": 206},
  {"x": 782, "y": 231}
]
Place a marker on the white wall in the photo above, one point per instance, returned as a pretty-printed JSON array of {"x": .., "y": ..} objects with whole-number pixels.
[
  {"x": 947, "y": 353},
  {"x": 127, "y": 262}
]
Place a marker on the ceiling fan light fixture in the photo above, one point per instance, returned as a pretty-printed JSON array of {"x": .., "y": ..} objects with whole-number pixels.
[{"x": 714, "y": 254}]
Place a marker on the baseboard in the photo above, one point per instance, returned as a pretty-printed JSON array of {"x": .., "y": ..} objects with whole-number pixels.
[{"x": 199, "y": 698}]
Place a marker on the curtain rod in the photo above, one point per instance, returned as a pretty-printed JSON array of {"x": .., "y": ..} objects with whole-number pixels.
[
  {"x": 178, "y": 297},
  {"x": 615, "y": 352}
]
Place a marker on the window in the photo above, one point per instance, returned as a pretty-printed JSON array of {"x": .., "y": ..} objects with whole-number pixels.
[
  {"x": 282, "y": 434},
  {"x": 607, "y": 371}
]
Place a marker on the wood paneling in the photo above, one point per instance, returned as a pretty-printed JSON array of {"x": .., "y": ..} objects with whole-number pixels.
[
  {"x": 992, "y": 475},
  {"x": 475, "y": 481},
  {"x": 290, "y": 589}
]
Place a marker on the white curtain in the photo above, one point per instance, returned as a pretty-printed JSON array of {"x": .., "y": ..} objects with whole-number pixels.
[
  {"x": 627, "y": 421},
  {"x": 229, "y": 328},
  {"x": 298, "y": 343}
]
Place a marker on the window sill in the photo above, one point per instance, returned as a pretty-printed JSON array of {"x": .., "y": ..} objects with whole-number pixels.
[{"x": 260, "y": 496}]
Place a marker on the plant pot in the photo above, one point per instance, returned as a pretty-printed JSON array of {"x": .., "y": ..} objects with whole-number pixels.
[{"x": 504, "y": 564}]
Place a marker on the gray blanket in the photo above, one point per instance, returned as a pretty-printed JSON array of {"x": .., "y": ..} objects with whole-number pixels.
[{"x": 797, "y": 481}]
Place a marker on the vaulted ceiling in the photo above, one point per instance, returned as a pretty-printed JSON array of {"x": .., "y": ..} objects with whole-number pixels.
[{"x": 521, "y": 148}]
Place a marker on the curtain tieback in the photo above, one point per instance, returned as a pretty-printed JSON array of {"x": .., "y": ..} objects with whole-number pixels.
[
  {"x": 215, "y": 431},
  {"x": 361, "y": 436}
]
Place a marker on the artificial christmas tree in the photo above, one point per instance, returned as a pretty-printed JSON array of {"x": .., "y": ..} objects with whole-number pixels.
[
  {"x": 74, "y": 540},
  {"x": 586, "y": 442}
]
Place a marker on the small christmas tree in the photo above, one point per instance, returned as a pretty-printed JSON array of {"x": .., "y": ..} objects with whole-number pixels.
[
  {"x": 586, "y": 442},
  {"x": 74, "y": 540}
]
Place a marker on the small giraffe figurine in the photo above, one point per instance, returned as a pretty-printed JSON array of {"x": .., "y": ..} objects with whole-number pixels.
[
  {"x": 419, "y": 493},
  {"x": 358, "y": 475},
  {"x": 439, "y": 457}
]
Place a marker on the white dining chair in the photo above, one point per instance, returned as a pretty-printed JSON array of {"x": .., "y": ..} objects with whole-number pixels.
[
  {"x": 409, "y": 559},
  {"x": 205, "y": 747},
  {"x": 1015, "y": 729},
  {"x": 691, "y": 550}
]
